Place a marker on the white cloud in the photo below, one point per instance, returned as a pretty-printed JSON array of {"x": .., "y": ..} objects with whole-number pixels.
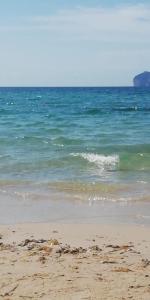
[
  {"x": 97, "y": 23},
  {"x": 123, "y": 23}
]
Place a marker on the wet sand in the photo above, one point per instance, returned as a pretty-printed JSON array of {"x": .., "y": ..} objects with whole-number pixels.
[
  {"x": 75, "y": 261},
  {"x": 16, "y": 209}
]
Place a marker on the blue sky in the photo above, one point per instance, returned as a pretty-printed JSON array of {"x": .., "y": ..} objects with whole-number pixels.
[{"x": 73, "y": 43}]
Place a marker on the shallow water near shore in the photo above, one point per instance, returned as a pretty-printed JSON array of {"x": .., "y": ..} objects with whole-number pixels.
[
  {"x": 52, "y": 208},
  {"x": 74, "y": 153}
]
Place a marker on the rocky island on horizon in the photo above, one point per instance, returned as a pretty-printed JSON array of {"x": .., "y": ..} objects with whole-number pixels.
[{"x": 142, "y": 80}]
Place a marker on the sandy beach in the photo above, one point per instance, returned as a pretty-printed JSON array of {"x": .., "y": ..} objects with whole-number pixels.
[{"x": 74, "y": 261}]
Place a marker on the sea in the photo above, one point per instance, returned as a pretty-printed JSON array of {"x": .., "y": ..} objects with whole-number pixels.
[{"x": 74, "y": 154}]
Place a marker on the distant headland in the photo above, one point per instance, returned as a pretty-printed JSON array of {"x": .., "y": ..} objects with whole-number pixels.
[{"x": 142, "y": 80}]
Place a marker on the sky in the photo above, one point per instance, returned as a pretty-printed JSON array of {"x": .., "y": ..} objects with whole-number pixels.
[{"x": 73, "y": 43}]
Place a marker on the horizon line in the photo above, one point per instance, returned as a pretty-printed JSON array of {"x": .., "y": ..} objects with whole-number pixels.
[{"x": 65, "y": 86}]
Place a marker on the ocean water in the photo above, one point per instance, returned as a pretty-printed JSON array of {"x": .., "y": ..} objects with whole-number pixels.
[{"x": 75, "y": 144}]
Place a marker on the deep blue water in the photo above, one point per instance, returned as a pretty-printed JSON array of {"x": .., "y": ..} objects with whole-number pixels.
[{"x": 82, "y": 143}]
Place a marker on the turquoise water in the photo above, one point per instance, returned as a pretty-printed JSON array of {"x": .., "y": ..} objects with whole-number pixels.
[{"x": 86, "y": 144}]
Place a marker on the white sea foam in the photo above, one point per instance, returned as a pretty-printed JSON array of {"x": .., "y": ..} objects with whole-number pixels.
[{"x": 102, "y": 161}]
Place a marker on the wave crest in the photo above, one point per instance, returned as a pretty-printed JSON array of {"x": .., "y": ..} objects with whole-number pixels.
[{"x": 102, "y": 161}]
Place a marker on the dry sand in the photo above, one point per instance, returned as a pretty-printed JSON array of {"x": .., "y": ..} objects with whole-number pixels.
[{"x": 52, "y": 261}]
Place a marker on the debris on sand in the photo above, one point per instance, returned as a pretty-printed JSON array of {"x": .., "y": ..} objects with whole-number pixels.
[
  {"x": 95, "y": 248},
  {"x": 7, "y": 247},
  {"x": 28, "y": 241},
  {"x": 122, "y": 269},
  {"x": 67, "y": 249},
  {"x": 42, "y": 259},
  {"x": 53, "y": 242},
  {"x": 145, "y": 263},
  {"x": 122, "y": 247}
]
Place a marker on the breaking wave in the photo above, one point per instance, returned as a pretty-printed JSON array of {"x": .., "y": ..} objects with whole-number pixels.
[{"x": 102, "y": 161}]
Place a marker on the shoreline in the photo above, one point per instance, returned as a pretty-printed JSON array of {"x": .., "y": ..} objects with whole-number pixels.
[
  {"x": 74, "y": 261},
  {"x": 49, "y": 210}
]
